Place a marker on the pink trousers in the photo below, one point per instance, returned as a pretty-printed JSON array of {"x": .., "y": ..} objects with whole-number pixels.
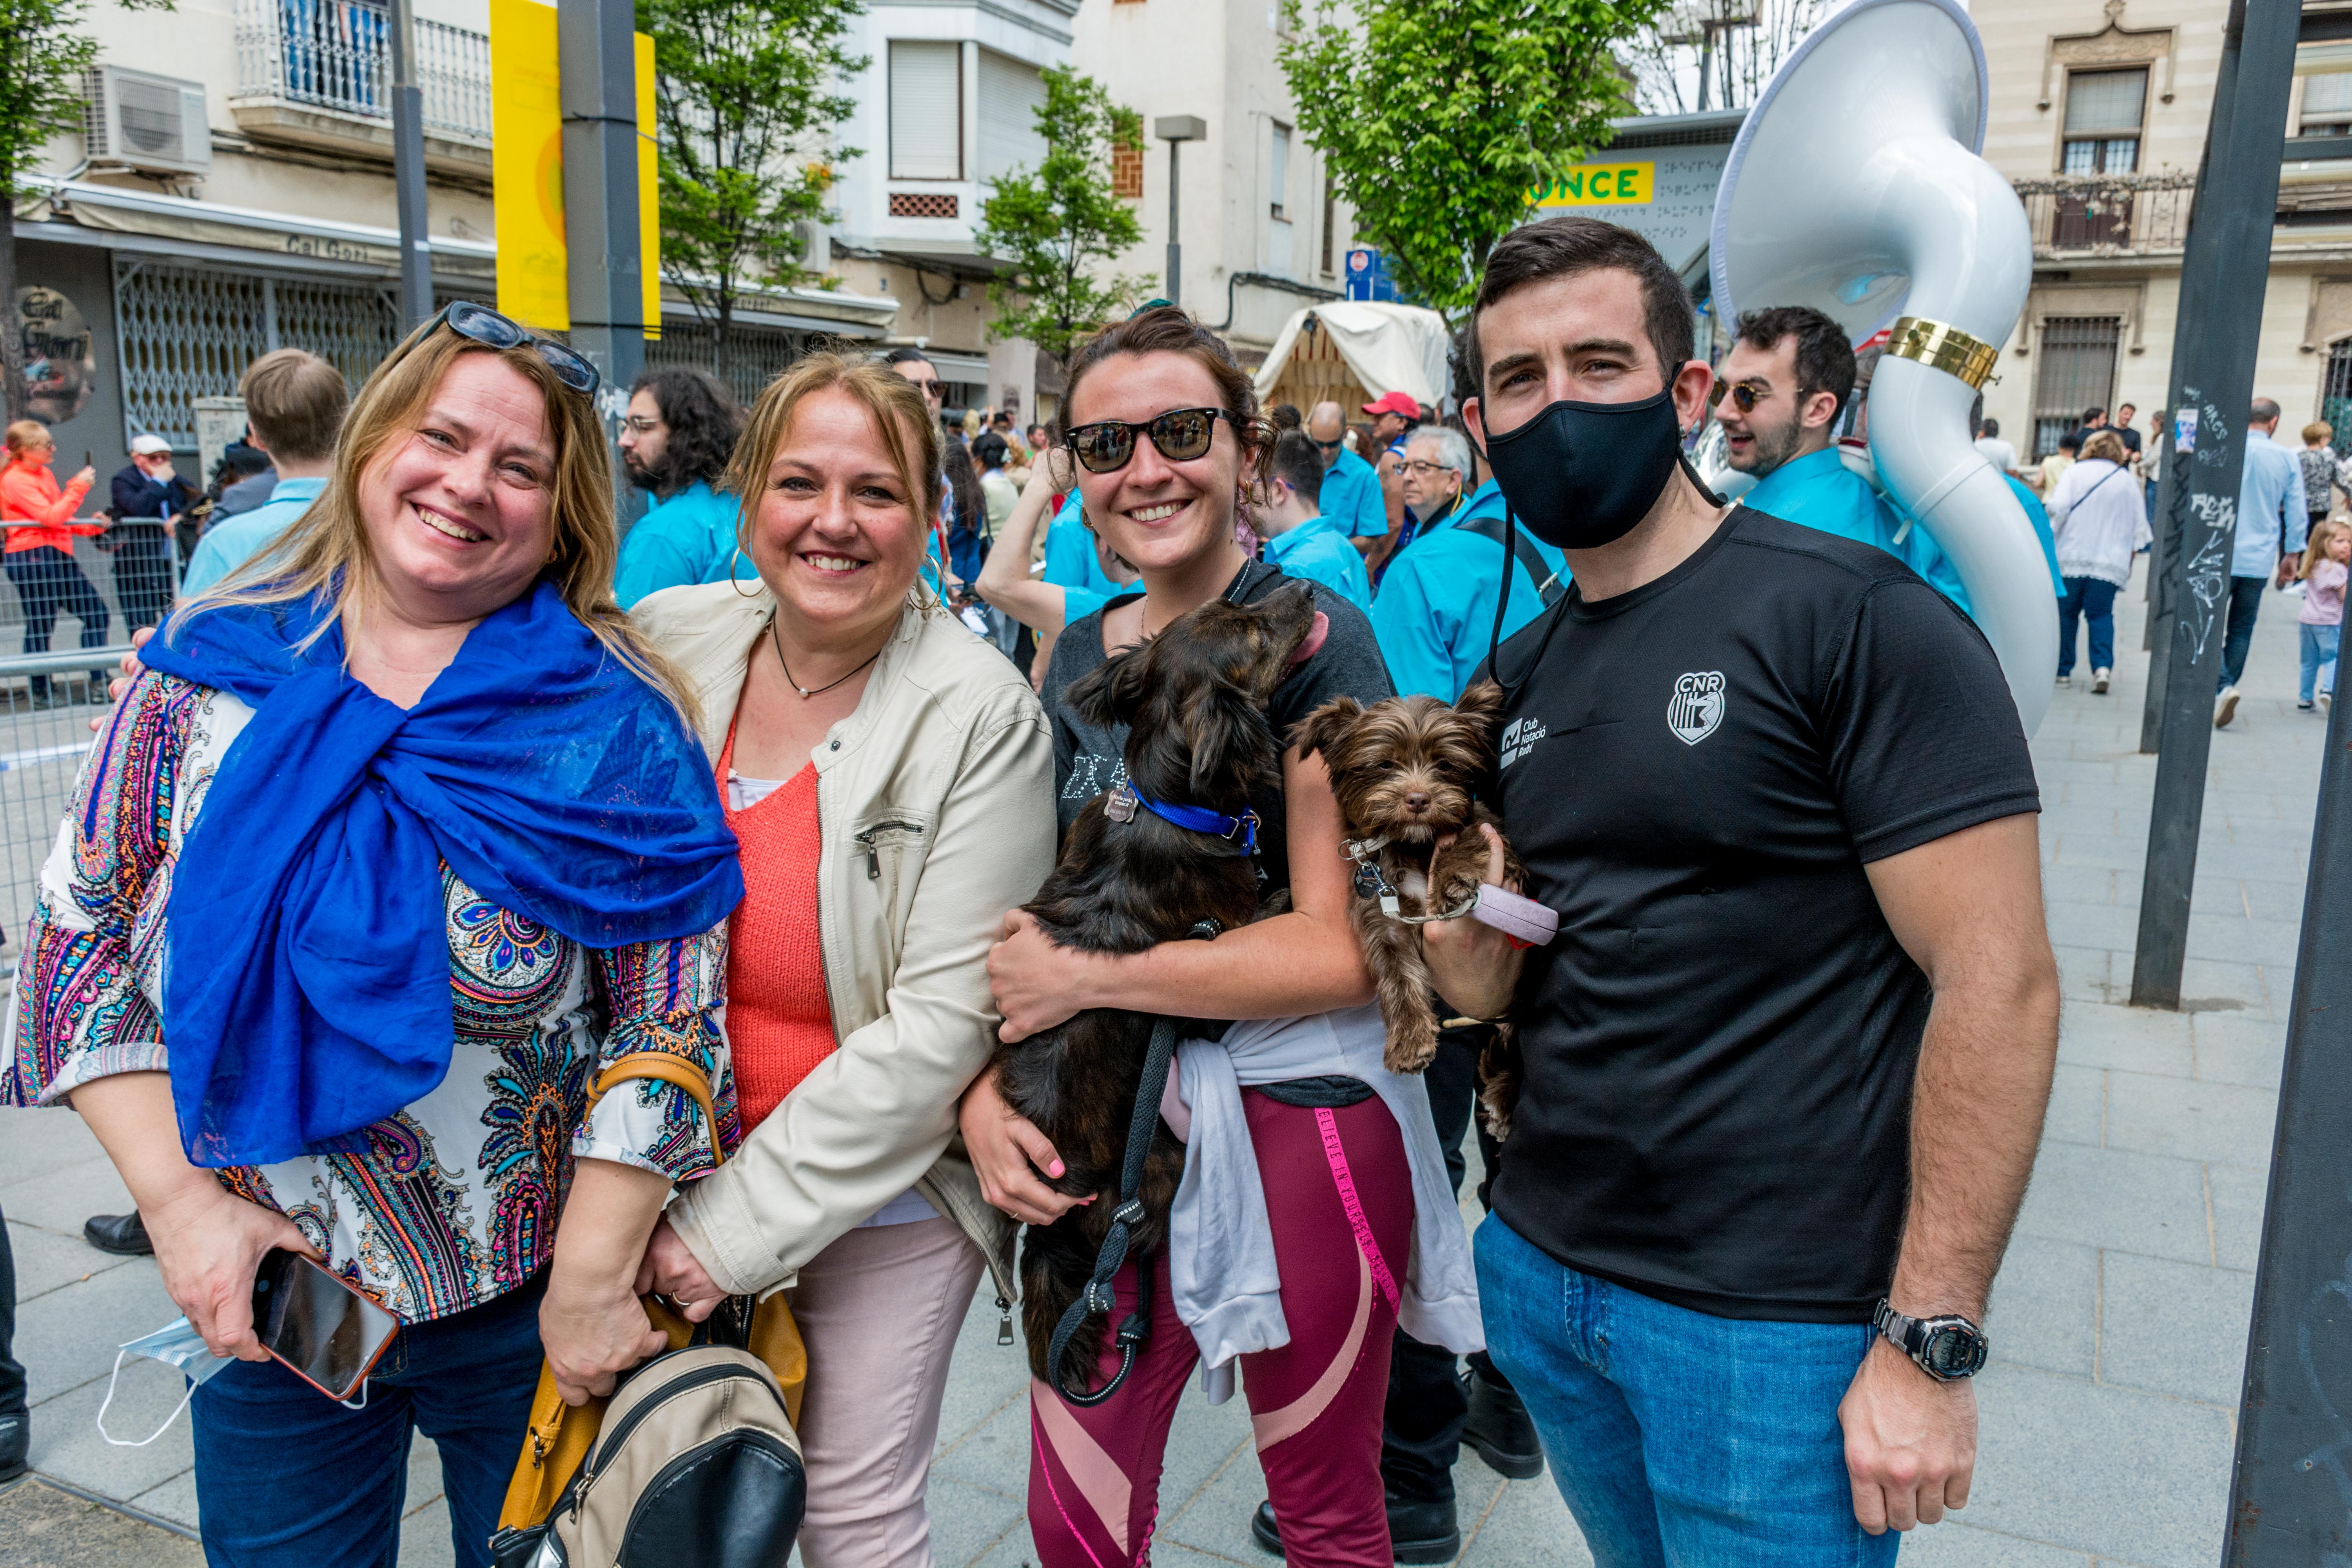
[
  {"x": 878, "y": 1311},
  {"x": 1341, "y": 1199}
]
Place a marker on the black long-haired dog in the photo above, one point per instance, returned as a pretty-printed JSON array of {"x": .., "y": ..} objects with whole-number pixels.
[{"x": 1193, "y": 698}]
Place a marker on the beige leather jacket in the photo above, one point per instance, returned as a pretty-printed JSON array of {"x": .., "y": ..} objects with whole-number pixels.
[{"x": 935, "y": 804}]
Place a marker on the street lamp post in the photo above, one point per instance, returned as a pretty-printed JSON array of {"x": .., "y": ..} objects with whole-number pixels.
[
  {"x": 408, "y": 170},
  {"x": 1175, "y": 129},
  {"x": 596, "y": 45}
]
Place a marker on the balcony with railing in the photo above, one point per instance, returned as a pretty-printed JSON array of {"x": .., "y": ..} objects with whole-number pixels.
[
  {"x": 2090, "y": 217},
  {"x": 318, "y": 73}
]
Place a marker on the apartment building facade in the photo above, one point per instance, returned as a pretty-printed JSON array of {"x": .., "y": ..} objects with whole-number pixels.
[{"x": 2098, "y": 116}]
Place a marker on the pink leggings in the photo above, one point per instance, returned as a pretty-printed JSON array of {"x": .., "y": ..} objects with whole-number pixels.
[{"x": 1340, "y": 1198}]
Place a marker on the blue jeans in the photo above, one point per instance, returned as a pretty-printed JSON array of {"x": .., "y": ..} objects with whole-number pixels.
[
  {"x": 49, "y": 580},
  {"x": 2087, "y": 598},
  {"x": 1677, "y": 1438},
  {"x": 2319, "y": 644},
  {"x": 286, "y": 1477},
  {"x": 2245, "y": 603}
]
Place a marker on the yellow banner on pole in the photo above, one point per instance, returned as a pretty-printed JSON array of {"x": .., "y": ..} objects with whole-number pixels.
[
  {"x": 649, "y": 186},
  {"x": 527, "y": 168}
]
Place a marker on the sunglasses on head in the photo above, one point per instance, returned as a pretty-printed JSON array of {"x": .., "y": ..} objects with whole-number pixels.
[
  {"x": 1745, "y": 395},
  {"x": 480, "y": 325},
  {"x": 1180, "y": 436}
]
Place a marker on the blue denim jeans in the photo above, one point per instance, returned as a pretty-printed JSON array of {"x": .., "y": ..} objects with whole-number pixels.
[
  {"x": 2094, "y": 600},
  {"x": 1677, "y": 1438},
  {"x": 286, "y": 1477},
  {"x": 2319, "y": 644},
  {"x": 2245, "y": 603}
]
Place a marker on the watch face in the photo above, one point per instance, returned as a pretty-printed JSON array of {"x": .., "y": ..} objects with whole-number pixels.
[{"x": 1955, "y": 1352}]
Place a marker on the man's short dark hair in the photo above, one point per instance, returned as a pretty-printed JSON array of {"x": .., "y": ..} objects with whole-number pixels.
[
  {"x": 1825, "y": 357},
  {"x": 1297, "y": 463},
  {"x": 1992, "y": 427},
  {"x": 1285, "y": 416},
  {"x": 2091, "y": 413},
  {"x": 2265, "y": 411},
  {"x": 2072, "y": 441},
  {"x": 703, "y": 423},
  {"x": 1568, "y": 245},
  {"x": 908, "y": 356},
  {"x": 989, "y": 449}
]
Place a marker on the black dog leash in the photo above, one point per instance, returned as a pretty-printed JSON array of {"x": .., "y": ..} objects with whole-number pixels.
[{"x": 1098, "y": 1297}]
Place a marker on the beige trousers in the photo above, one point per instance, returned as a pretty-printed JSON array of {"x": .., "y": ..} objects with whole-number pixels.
[{"x": 878, "y": 1311}]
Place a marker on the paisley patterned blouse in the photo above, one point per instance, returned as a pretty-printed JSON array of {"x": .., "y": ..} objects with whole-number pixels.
[{"x": 456, "y": 1200}]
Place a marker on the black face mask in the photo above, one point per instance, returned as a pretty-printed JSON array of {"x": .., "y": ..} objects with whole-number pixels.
[{"x": 1580, "y": 475}]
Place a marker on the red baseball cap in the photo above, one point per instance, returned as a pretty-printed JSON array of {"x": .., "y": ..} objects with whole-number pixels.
[{"x": 1398, "y": 402}]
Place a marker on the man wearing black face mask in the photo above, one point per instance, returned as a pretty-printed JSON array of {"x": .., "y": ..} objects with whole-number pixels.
[{"x": 1785, "y": 1062}]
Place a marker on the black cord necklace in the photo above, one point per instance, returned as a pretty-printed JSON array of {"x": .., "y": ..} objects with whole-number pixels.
[{"x": 805, "y": 693}]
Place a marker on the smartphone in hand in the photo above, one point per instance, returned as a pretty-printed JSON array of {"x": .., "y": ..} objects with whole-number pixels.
[{"x": 320, "y": 1329}]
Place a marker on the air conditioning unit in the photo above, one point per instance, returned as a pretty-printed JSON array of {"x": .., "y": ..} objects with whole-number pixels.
[{"x": 140, "y": 120}]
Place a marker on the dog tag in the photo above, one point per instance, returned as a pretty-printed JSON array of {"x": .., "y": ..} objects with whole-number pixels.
[{"x": 1120, "y": 804}]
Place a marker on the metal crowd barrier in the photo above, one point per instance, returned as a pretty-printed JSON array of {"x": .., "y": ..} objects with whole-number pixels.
[{"x": 41, "y": 752}]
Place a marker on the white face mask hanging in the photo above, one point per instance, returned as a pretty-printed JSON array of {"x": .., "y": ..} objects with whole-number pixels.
[{"x": 178, "y": 1346}]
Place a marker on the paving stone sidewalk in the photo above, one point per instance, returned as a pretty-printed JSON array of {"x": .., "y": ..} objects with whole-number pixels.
[{"x": 2118, "y": 1323}]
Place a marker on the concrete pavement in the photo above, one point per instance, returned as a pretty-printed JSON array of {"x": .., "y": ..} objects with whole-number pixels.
[{"x": 2118, "y": 1322}]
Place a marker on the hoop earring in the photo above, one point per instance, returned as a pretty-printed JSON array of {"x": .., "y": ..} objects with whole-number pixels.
[{"x": 733, "y": 558}]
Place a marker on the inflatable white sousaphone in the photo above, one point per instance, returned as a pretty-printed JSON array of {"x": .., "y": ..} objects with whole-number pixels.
[{"x": 1855, "y": 188}]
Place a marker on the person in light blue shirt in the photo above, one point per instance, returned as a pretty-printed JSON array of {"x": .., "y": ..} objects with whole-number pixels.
[
  {"x": 1072, "y": 560},
  {"x": 2270, "y": 528},
  {"x": 1298, "y": 539},
  {"x": 1351, "y": 496},
  {"x": 676, "y": 440},
  {"x": 1778, "y": 396},
  {"x": 228, "y": 545},
  {"x": 1435, "y": 615},
  {"x": 294, "y": 406}
]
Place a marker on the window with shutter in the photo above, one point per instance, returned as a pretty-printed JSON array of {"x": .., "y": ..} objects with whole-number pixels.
[
  {"x": 2077, "y": 372},
  {"x": 2327, "y": 104},
  {"x": 1011, "y": 93},
  {"x": 926, "y": 109}
]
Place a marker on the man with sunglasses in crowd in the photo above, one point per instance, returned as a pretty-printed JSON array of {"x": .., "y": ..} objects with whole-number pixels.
[
  {"x": 1778, "y": 396},
  {"x": 911, "y": 365},
  {"x": 1761, "y": 1170},
  {"x": 1351, "y": 489}
]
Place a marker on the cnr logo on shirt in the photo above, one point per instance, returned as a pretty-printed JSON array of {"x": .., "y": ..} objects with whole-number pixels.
[{"x": 1696, "y": 706}]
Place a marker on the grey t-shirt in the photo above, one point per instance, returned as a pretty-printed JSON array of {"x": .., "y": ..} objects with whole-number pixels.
[{"x": 1088, "y": 760}]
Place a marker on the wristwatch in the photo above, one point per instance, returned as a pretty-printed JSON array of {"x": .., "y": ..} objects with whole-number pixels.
[{"x": 1947, "y": 1348}]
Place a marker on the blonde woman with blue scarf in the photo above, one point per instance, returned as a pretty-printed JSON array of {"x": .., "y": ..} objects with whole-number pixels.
[{"x": 400, "y": 843}]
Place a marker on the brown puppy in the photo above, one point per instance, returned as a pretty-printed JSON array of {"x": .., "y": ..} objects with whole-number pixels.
[
  {"x": 1193, "y": 698},
  {"x": 1406, "y": 772}
]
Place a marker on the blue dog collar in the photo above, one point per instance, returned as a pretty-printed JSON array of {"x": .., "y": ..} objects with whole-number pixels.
[{"x": 1120, "y": 804}]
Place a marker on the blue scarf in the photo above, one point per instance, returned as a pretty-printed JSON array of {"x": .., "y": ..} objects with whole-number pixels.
[{"x": 306, "y": 989}]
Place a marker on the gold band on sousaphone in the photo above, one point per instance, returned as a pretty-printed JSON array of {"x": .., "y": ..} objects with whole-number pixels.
[{"x": 1943, "y": 347}]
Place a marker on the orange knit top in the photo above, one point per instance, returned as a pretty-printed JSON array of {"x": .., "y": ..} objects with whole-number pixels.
[{"x": 779, "y": 1020}]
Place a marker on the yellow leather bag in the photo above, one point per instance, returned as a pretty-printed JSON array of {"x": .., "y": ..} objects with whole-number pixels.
[{"x": 560, "y": 1434}]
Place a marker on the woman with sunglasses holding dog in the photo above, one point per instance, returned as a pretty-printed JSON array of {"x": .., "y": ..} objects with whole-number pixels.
[
  {"x": 396, "y": 850},
  {"x": 1314, "y": 1214},
  {"x": 890, "y": 777}
]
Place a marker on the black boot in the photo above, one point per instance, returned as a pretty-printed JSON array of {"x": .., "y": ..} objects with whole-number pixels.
[
  {"x": 1418, "y": 1531},
  {"x": 15, "y": 1437},
  {"x": 124, "y": 1235},
  {"x": 1500, "y": 1430}
]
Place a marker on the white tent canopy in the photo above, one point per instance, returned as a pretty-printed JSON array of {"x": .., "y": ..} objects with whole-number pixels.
[{"x": 1390, "y": 348}]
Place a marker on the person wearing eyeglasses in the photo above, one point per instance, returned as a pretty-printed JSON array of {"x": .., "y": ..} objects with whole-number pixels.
[
  {"x": 1778, "y": 396},
  {"x": 415, "y": 819},
  {"x": 675, "y": 438},
  {"x": 1296, "y": 536},
  {"x": 1351, "y": 487},
  {"x": 1313, "y": 1215}
]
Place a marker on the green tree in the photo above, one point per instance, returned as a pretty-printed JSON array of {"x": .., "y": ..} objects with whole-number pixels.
[
  {"x": 1054, "y": 222},
  {"x": 1438, "y": 117},
  {"x": 746, "y": 102},
  {"x": 42, "y": 53}
]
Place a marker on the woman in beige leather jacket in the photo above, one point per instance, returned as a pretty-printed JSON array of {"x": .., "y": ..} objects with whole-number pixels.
[{"x": 890, "y": 777}]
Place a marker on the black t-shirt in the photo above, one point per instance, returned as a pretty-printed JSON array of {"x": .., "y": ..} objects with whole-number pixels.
[
  {"x": 1087, "y": 759},
  {"x": 1720, "y": 1042}
]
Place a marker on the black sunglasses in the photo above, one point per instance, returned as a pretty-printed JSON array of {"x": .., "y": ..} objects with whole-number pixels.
[
  {"x": 480, "y": 325},
  {"x": 1180, "y": 436}
]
